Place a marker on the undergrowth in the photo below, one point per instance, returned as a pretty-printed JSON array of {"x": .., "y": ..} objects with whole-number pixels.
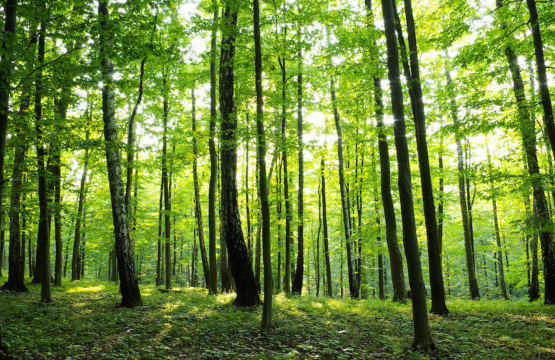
[{"x": 84, "y": 322}]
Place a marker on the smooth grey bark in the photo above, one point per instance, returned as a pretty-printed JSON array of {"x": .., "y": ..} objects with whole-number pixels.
[
  {"x": 469, "y": 249},
  {"x": 129, "y": 286},
  {"x": 344, "y": 199},
  {"x": 231, "y": 231},
  {"x": 213, "y": 161},
  {"x": 422, "y": 334}
]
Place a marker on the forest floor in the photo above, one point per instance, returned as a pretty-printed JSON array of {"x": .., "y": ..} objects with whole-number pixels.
[{"x": 84, "y": 322}]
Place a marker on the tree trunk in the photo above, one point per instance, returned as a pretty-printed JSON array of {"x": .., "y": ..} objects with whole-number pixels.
[
  {"x": 326, "y": 236},
  {"x": 344, "y": 199},
  {"x": 534, "y": 290},
  {"x": 469, "y": 251},
  {"x": 75, "y": 262},
  {"x": 198, "y": 207},
  {"x": 540, "y": 203},
  {"x": 298, "y": 281},
  {"x": 287, "y": 265},
  {"x": 263, "y": 187},
  {"x": 167, "y": 203},
  {"x": 232, "y": 234},
  {"x": 213, "y": 162},
  {"x": 159, "y": 248},
  {"x": 422, "y": 335},
  {"x": 131, "y": 295},
  {"x": 493, "y": 193},
  {"x": 542, "y": 76}
]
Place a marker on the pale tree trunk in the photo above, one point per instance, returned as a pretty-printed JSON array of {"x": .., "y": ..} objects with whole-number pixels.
[
  {"x": 131, "y": 295},
  {"x": 422, "y": 334},
  {"x": 232, "y": 234}
]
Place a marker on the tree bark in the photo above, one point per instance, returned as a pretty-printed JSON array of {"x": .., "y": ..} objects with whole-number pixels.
[
  {"x": 213, "y": 162},
  {"x": 422, "y": 335},
  {"x": 159, "y": 248},
  {"x": 167, "y": 201},
  {"x": 198, "y": 207},
  {"x": 344, "y": 199},
  {"x": 542, "y": 76},
  {"x": 469, "y": 251},
  {"x": 493, "y": 193},
  {"x": 326, "y": 235},
  {"x": 129, "y": 287},
  {"x": 232, "y": 234},
  {"x": 76, "y": 261},
  {"x": 540, "y": 203},
  {"x": 298, "y": 281},
  {"x": 263, "y": 187}
]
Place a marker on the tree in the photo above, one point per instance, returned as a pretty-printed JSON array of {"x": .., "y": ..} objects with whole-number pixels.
[
  {"x": 231, "y": 232},
  {"x": 130, "y": 292},
  {"x": 76, "y": 258},
  {"x": 422, "y": 335}
]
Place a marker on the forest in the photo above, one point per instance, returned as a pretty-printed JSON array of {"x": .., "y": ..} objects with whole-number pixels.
[{"x": 307, "y": 179}]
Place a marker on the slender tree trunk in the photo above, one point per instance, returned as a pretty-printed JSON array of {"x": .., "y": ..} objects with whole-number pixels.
[
  {"x": 422, "y": 334},
  {"x": 540, "y": 203},
  {"x": 326, "y": 236},
  {"x": 318, "y": 241},
  {"x": 534, "y": 290},
  {"x": 213, "y": 162},
  {"x": 198, "y": 207},
  {"x": 240, "y": 264},
  {"x": 263, "y": 187},
  {"x": 395, "y": 257},
  {"x": 344, "y": 199},
  {"x": 440, "y": 210},
  {"x": 496, "y": 226},
  {"x": 278, "y": 210},
  {"x": 131, "y": 295},
  {"x": 167, "y": 204},
  {"x": 75, "y": 262},
  {"x": 469, "y": 251},
  {"x": 287, "y": 266},
  {"x": 298, "y": 281},
  {"x": 44, "y": 228},
  {"x": 542, "y": 75}
]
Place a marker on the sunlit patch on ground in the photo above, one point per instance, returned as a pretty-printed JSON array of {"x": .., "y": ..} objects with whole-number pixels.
[{"x": 89, "y": 289}]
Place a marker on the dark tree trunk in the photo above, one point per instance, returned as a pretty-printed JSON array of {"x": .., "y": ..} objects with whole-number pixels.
[
  {"x": 213, "y": 162},
  {"x": 469, "y": 249},
  {"x": 198, "y": 208},
  {"x": 395, "y": 257},
  {"x": 232, "y": 234},
  {"x": 542, "y": 76},
  {"x": 540, "y": 203},
  {"x": 278, "y": 210},
  {"x": 422, "y": 335},
  {"x": 298, "y": 281},
  {"x": 263, "y": 187},
  {"x": 129, "y": 287},
  {"x": 493, "y": 193},
  {"x": 287, "y": 265},
  {"x": 326, "y": 236},
  {"x": 167, "y": 203},
  {"x": 159, "y": 248},
  {"x": 344, "y": 199},
  {"x": 76, "y": 259},
  {"x": 44, "y": 228},
  {"x": 534, "y": 290}
]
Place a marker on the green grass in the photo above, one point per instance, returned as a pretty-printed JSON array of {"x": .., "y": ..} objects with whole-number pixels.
[{"x": 84, "y": 322}]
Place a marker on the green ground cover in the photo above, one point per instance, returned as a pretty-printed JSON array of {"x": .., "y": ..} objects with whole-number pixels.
[{"x": 84, "y": 322}]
